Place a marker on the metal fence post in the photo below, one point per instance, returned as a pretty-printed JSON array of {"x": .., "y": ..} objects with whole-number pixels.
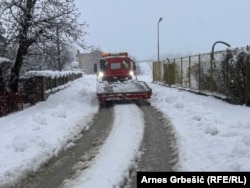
[
  {"x": 167, "y": 77},
  {"x": 181, "y": 71},
  {"x": 189, "y": 75},
  {"x": 248, "y": 76},
  {"x": 199, "y": 72},
  {"x": 174, "y": 71},
  {"x": 227, "y": 79},
  {"x": 211, "y": 71}
]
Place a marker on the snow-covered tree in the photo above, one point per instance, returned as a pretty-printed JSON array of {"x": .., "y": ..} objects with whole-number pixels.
[
  {"x": 46, "y": 58},
  {"x": 38, "y": 23},
  {"x": 2, "y": 41}
]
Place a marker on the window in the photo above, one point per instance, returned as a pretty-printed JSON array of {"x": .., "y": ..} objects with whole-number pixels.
[
  {"x": 115, "y": 65},
  {"x": 125, "y": 64}
]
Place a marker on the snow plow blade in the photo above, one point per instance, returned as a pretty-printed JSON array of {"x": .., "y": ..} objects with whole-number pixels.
[{"x": 123, "y": 91}]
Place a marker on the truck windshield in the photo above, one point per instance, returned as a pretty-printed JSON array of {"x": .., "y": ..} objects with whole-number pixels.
[{"x": 115, "y": 65}]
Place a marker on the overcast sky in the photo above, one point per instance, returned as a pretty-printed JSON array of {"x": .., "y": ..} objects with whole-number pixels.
[{"x": 188, "y": 26}]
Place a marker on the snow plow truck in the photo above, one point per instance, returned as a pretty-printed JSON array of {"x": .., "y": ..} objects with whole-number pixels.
[{"x": 117, "y": 79}]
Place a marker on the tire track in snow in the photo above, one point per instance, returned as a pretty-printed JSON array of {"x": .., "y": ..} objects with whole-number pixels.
[
  {"x": 159, "y": 151},
  {"x": 118, "y": 154},
  {"x": 76, "y": 158}
]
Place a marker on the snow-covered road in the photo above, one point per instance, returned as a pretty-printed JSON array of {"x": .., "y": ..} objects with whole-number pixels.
[
  {"x": 118, "y": 153},
  {"x": 212, "y": 135}
]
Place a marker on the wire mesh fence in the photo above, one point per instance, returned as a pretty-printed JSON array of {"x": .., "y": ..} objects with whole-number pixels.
[{"x": 225, "y": 73}]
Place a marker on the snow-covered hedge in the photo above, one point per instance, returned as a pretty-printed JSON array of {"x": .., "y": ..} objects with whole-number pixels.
[
  {"x": 235, "y": 74},
  {"x": 38, "y": 85},
  {"x": 51, "y": 74}
]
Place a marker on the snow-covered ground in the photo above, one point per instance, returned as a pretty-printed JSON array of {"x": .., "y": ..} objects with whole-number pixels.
[
  {"x": 28, "y": 138},
  {"x": 212, "y": 135},
  {"x": 118, "y": 153}
]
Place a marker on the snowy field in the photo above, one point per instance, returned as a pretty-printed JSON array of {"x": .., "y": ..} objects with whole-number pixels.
[{"x": 212, "y": 135}]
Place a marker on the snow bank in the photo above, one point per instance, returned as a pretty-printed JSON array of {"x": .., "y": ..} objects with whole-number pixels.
[
  {"x": 212, "y": 134},
  {"x": 30, "y": 137}
]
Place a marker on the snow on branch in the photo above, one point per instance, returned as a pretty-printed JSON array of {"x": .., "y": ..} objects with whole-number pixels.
[{"x": 4, "y": 60}]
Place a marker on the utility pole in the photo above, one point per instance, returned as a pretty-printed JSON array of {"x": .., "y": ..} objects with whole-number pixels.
[{"x": 158, "y": 38}]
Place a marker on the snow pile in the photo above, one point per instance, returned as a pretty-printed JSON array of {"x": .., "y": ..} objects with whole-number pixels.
[
  {"x": 121, "y": 87},
  {"x": 213, "y": 135},
  {"x": 30, "y": 137}
]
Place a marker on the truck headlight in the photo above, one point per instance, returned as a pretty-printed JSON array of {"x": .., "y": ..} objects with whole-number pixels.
[
  {"x": 131, "y": 73},
  {"x": 100, "y": 74}
]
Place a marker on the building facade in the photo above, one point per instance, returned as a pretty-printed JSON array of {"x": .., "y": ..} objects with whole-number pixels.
[{"x": 87, "y": 60}]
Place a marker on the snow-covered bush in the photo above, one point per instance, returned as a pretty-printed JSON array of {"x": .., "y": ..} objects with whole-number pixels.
[{"x": 235, "y": 68}]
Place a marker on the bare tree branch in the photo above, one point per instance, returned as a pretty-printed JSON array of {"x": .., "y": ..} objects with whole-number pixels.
[{"x": 31, "y": 22}]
